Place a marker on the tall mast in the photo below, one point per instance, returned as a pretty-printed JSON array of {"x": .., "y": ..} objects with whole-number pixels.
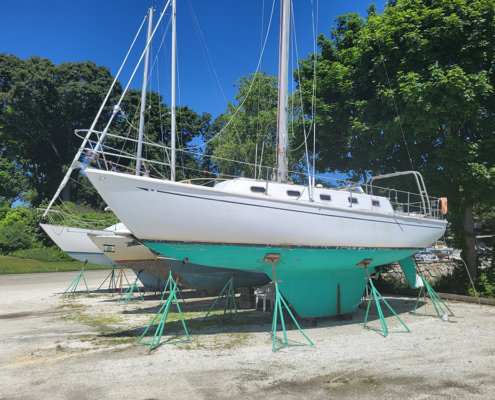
[
  {"x": 143, "y": 93},
  {"x": 283, "y": 87},
  {"x": 172, "y": 101}
]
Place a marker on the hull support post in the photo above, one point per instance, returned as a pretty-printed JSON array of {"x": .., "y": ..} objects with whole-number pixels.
[
  {"x": 112, "y": 283},
  {"x": 157, "y": 285},
  {"x": 435, "y": 299},
  {"x": 71, "y": 290},
  {"x": 163, "y": 313},
  {"x": 130, "y": 290},
  {"x": 375, "y": 295},
  {"x": 279, "y": 300},
  {"x": 229, "y": 299}
]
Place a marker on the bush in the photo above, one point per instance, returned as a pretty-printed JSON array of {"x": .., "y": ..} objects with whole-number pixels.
[
  {"x": 459, "y": 283},
  {"x": 43, "y": 254},
  {"x": 14, "y": 236}
]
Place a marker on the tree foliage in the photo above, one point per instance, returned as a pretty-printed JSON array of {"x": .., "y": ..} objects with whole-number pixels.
[
  {"x": 250, "y": 130},
  {"x": 412, "y": 85},
  {"x": 42, "y": 105}
]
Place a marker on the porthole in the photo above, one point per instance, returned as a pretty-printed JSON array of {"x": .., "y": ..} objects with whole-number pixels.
[
  {"x": 293, "y": 193},
  {"x": 257, "y": 189},
  {"x": 354, "y": 200},
  {"x": 376, "y": 203},
  {"x": 325, "y": 197}
]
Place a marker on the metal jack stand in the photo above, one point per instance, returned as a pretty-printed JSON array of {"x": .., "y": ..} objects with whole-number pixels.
[
  {"x": 120, "y": 278},
  {"x": 229, "y": 299},
  {"x": 112, "y": 282},
  {"x": 130, "y": 290},
  {"x": 375, "y": 295},
  {"x": 172, "y": 298},
  {"x": 169, "y": 285},
  {"x": 435, "y": 299},
  {"x": 279, "y": 300},
  {"x": 73, "y": 286},
  {"x": 158, "y": 286}
]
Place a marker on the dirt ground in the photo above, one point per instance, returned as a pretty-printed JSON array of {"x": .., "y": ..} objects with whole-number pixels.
[{"x": 84, "y": 347}]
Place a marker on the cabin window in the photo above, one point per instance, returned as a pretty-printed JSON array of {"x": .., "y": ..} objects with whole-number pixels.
[
  {"x": 376, "y": 203},
  {"x": 293, "y": 193},
  {"x": 354, "y": 200},
  {"x": 325, "y": 197},
  {"x": 257, "y": 189}
]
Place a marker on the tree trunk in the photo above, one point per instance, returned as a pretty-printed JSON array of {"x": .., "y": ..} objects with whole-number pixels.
[{"x": 470, "y": 241}]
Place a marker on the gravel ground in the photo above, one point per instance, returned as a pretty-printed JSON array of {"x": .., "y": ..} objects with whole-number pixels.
[{"x": 85, "y": 347}]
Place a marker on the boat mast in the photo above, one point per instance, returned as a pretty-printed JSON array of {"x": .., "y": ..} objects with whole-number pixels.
[
  {"x": 172, "y": 102},
  {"x": 143, "y": 93},
  {"x": 283, "y": 86}
]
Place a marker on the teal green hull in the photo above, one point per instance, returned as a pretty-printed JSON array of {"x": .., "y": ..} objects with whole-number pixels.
[{"x": 316, "y": 282}]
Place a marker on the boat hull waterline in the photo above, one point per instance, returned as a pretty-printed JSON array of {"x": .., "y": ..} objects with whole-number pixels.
[{"x": 319, "y": 245}]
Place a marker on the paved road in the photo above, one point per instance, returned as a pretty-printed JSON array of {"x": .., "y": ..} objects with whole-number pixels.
[{"x": 58, "y": 280}]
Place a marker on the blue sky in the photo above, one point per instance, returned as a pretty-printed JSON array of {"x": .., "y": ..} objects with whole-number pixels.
[{"x": 101, "y": 31}]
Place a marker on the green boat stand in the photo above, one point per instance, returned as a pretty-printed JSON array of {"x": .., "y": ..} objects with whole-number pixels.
[
  {"x": 435, "y": 299},
  {"x": 229, "y": 299},
  {"x": 130, "y": 290},
  {"x": 71, "y": 290},
  {"x": 169, "y": 286},
  {"x": 164, "y": 310},
  {"x": 112, "y": 283},
  {"x": 374, "y": 294},
  {"x": 157, "y": 286},
  {"x": 279, "y": 300}
]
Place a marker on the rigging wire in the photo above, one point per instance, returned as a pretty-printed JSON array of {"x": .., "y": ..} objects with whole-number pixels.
[
  {"x": 204, "y": 47},
  {"x": 247, "y": 95},
  {"x": 393, "y": 99},
  {"x": 302, "y": 109},
  {"x": 313, "y": 101}
]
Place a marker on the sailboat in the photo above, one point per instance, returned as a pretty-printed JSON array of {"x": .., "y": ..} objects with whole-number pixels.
[
  {"x": 322, "y": 236},
  {"x": 110, "y": 246}
]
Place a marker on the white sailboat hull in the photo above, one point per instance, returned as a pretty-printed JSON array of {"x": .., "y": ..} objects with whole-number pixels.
[
  {"x": 168, "y": 211},
  {"x": 76, "y": 243}
]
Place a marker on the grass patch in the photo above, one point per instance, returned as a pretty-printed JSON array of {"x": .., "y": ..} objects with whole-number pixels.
[
  {"x": 12, "y": 265},
  {"x": 95, "y": 320}
]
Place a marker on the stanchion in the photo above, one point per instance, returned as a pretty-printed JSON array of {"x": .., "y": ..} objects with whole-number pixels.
[
  {"x": 229, "y": 299},
  {"x": 374, "y": 294},
  {"x": 435, "y": 299},
  {"x": 163, "y": 312},
  {"x": 279, "y": 300},
  {"x": 73, "y": 286},
  {"x": 130, "y": 290}
]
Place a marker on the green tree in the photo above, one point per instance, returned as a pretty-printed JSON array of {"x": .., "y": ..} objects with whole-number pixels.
[
  {"x": 418, "y": 73},
  {"x": 250, "y": 130},
  {"x": 42, "y": 105}
]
